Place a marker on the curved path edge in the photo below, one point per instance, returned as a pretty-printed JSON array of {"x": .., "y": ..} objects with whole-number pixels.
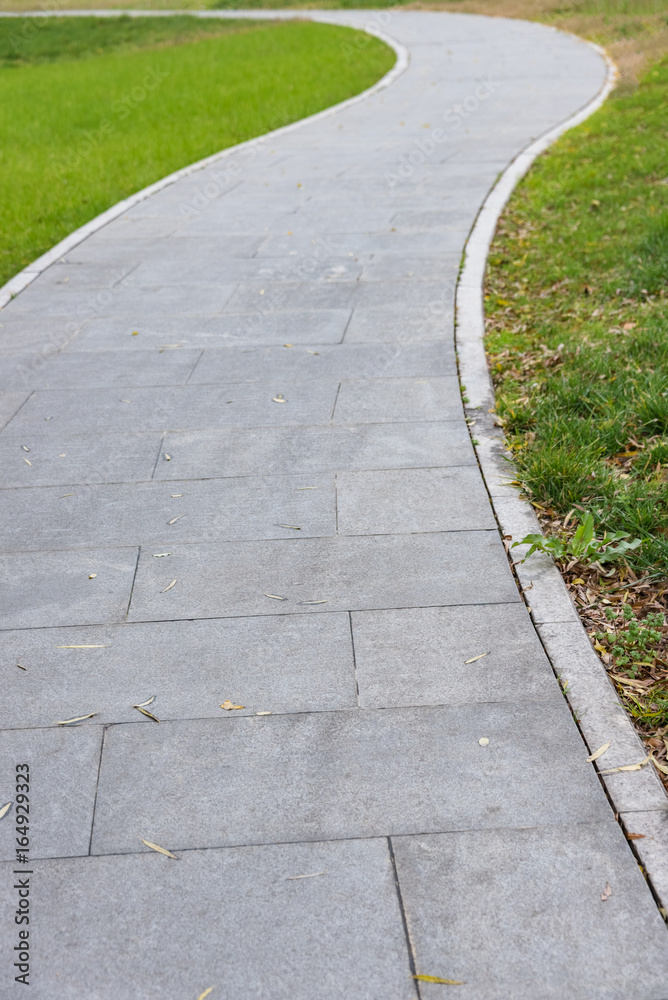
[
  {"x": 33, "y": 270},
  {"x": 638, "y": 798},
  {"x": 641, "y": 806}
]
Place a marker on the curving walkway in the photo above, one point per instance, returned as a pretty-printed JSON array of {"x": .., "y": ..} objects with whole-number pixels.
[{"x": 236, "y": 467}]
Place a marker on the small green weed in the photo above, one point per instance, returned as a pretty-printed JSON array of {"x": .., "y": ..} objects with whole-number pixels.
[
  {"x": 583, "y": 546},
  {"x": 632, "y": 642}
]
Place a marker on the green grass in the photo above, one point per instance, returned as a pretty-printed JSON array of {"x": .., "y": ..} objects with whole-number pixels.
[
  {"x": 93, "y": 110},
  {"x": 578, "y": 324}
]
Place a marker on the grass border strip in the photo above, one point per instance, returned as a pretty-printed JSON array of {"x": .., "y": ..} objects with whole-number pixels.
[
  {"x": 27, "y": 275},
  {"x": 638, "y": 799}
]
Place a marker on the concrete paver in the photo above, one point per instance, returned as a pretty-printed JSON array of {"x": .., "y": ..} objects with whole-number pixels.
[{"x": 234, "y": 356}]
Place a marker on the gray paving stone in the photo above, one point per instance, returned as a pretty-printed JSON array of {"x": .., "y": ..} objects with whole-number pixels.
[
  {"x": 88, "y": 275},
  {"x": 77, "y": 458},
  {"x": 324, "y": 326},
  {"x": 318, "y": 361},
  {"x": 417, "y": 268},
  {"x": 85, "y": 369},
  {"x": 398, "y": 399},
  {"x": 63, "y": 766},
  {"x": 212, "y": 510},
  {"x": 410, "y": 500},
  {"x": 312, "y": 267},
  {"x": 42, "y": 338},
  {"x": 417, "y": 656},
  {"x": 400, "y": 571},
  {"x": 287, "y": 295},
  {"x": 652, "y": 848},
  {"x": 10, "y": 404},
  {"x": 293, "y": 663},
  {"x": 175, "y": 408},
  {"x": 236, "y": 919},
  {"x": 338, "y": 775},
  {"x": 373, "y": 326},
  {"x": 38, "y": 589},
  {"x": 288, "y": 450},
  {"x": 518, "y": 913}
]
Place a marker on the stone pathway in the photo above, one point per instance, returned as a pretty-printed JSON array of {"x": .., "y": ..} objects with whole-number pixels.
[{"x": 236, "y": 467}]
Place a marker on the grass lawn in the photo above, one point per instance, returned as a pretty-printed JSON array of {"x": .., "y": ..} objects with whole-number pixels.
[
  {"x": 94, "y": 109},
  {"x": 577, "y": 307}
]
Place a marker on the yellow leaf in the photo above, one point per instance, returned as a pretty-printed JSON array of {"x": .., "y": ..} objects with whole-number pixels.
[
  {"x": 628, "y": 767},
  {"x": 279, "y": 399},
  {"x": 578, "y": 579},
  {"x": 293, "y": 526},
  {"x": 168, "y": 587},
  {"x": 276, "y": 597},
  {"x": 229, "y": 707},
  {"x": 145, "y": 712},
  {"x": 205, "y": 994},
  {"x": 483, "y": 741},
  {"x": 660, "y": 767},
  {"x": 5, "y": 809},
  {"x": 599, "y": 648},
  {"x": 598, "y": 753},
  {"x": 474, "y": 658},
  {"x": 437, "y": 979},
  {"x": 143, "y": 704},
  {"x": 160, "y": 850},
  {"x": 79, "y": 718}
]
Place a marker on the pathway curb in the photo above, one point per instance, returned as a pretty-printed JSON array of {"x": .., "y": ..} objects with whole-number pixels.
[{"x": 638, "y": 798}]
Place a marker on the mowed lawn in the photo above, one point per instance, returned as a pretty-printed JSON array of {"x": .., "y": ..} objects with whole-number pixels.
[{"x": 94, "y": 109}]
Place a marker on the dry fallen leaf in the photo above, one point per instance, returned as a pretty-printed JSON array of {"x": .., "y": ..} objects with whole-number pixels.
[
  {"x": 79, "y": 718},
  {"x": 291, "y": 878},
  {"x": 91, "y": 576},
  {"x": 143, "y": 704},
  {"x": 65, "y": 495},
  {"x": 174, "y": 495},
  {"x": 175, "y": 519},
  {"x": 160, "y": 850},
  {"x": 21, "y": 667},
  {"x": 205, "y": 994},
  {"x": 27, "y": 461},
  {"x": 5, "y": 809},
  {"x": 437, "y": 979},
  {"x": 660, "y": 767},
  {"x": 279, "y": 399},
  {"x": 161, "y": 555},
  {"x": 478, "y": 657},
  {"x": 263, "y": 713},
  {"x": 135, "y": 333},
  {"x": 628, "y": 767},
  {"x": 276, "y": 597},
  {"x": 228, "y": 706},
  {"x": 598, "y": 753},
  {"x": 293, "y": 526},
  {"x": 25, "y": 447},
  {"x": 607, "y": 892},
  {"x": 300, "y": 488},
  {"x": 313, "y": 602},
  {"x": 168, "y": 587},
  {"x": 483, "y": 741},
  {"x": 145, "y": 712},
  {"x": 636, "y": 836}
]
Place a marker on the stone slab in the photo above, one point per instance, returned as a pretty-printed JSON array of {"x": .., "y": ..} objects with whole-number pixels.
[
  {"x": 10, "y": 404},
  {"x": 417, "y": 656},
  {"x": 339, "y": 775},
  {"x": 651, "y": 850},
  {"x": 63, "y": 766},
  {"x": 234, "y": 578},
  {"x": 308, "y": 450},
  {"x": 320, "y": 361},
  {"x": 142, "y": 927},
  {"x": 371, "y": 401},
  {"x": 39, "y": 589},
  {"x": 412, "y": 500},
  {"x": 78, "y": 458},
  {"x": 292, "y": 663},
  {"x": 382, "y": 326},
  {"x": 518, "y": 913},
  {"x": 175, "y": 408},
  {"x": 211, "y": 510},
  {"x": 260, "y": 326},
  {"x": 84, "y": 369}
]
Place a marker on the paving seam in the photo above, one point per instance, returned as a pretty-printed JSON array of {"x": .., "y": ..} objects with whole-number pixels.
[{"x": 587, "y": 688}]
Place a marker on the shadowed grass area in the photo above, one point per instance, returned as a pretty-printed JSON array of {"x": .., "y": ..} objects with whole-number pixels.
[{"x": 93, "y": 110}]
